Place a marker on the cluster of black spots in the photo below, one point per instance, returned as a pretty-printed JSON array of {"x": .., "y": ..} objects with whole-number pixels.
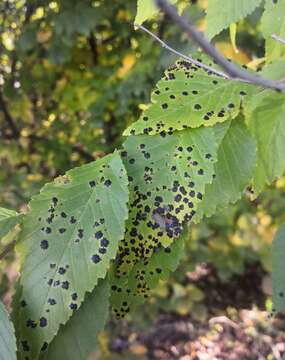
[
  {"x": 43, "y": 322},
  {"x": 65, "y": 285},
  {"x": 74, "y": 296},
  {"x": 73, "y": 306},
  {"x": 44, "y": 244},
  {"x": 95, "y": 258},
  {"x": 73, "y": 220},
  {"x": 98, "y": 235},
  {"x": 92, "y": 183},
  {"x": 51, "y": 301},
  {"x": 31, "y": 324},
  {"x": 122, "y": 311},
  {"x": 208, "y": 115},
  {"x": 48, "y": 230},
  {"x": 108, "y": 183},
  {"x": 44, "y": 347},
  {"x": 25, "y": 346},
  {"x": 61, "y": 271}
]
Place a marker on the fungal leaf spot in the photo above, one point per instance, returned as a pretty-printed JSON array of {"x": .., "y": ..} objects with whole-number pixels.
[
  {"x": 165, "y": 189},
  {"x": 62, "y": 253},
  {"x": 188, "y": 97}
]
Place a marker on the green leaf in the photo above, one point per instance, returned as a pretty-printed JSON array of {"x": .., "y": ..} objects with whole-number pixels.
[
  {"x": 273, "y": 22},
  {"x": 78, "y": 338},
  {"x": 221, "y": 14},
  {"x": 274, "y": 70},
  {"x": 266, "y": 123},
  {"x": 189, "y": 97},
  {"x": 146, "y": 9},
  {"x": 133, "y": 289},
  {"x": 8, "y": 220},
  {"x": 167, "y": 175},
  {"x": 278, "y": 278},
  {"x": 69, "y": 237},
  {"x": 7, "y": 336},
  {"x": 233, "y": 170}
]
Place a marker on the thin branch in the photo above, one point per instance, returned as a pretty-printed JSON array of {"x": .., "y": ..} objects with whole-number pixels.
[
  {"x": 278, "y": 38},
  {"x": 185, "y": 57},
  {"x": 9, "y": 247},
  {"x": 93, "y": 48},
  {"x": 8, "y": 118},
  {"x": 232, "y": 70}
]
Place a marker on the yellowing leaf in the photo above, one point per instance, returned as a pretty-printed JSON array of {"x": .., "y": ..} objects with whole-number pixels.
[
  {"x": 146, "y": 9},
  {"x": 127, "y": 63}
]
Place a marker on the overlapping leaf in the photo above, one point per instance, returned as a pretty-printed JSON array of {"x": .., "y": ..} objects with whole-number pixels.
[
  {"x": 221, "y": 14},
  {"x": 167, "y": 175},
  {"x": 8, "y": 220},
  {"x": 273, "y": 22},
  {"x": 266, "y": 123},
  {"x": 146, "y": 9},
  {"x": 188, "y": 97},
  {"x": 7, "y": 336},
  {"x": 69, "y": 237},
  {"x": 278, "y": 280},
  {"x": 77, "y": 339},
  {"x": 134, "y": 288},
  {"x": 233, "y": 170}
]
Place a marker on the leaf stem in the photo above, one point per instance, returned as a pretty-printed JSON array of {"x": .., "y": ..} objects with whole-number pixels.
[{"x": 231, "y": 69}]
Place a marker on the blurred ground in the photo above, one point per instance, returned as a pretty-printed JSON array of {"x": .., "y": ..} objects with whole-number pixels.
[{"x": 236, "y": 326}]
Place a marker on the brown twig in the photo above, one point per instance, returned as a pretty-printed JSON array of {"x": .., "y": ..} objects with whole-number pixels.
[
  {"x": 185, "y": 57},
  {"x": 9, "y": 247},
  {"x": 8, "y": 118},
  {"x": 232, "y": 70}
]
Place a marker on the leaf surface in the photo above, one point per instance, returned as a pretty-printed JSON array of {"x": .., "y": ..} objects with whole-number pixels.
[
  {"x": 167, "y": 175},
  {"x": 77, "y": 339},
  {"x": 134, "y": 288},
  {"x": 233, "y": 170},
  {"x": 146, "y": 10},
  {"x": 7, "y": 336},
  {"x": 69, "y": 237},
  {"x": 273, "y": 22},
  {"x": 267, "y": 126},
  {"x": 221, "y": 14},
  {"x": 188, "y": 97},
  {"x": 8, "y": 220}
]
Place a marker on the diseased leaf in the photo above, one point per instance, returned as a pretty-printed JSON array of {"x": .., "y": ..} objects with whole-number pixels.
[
  {"x": 167, "y": 175},
  {"x": 273, "y": 22},
  {"x": 77, "y": 339},
  {"x": 8, "y": 220},
  {"x": 221, "y": 14},
  {"x": 7, "y": 336},
  {"x": 146, "y": 9},
  {"x": 189, "y": 97},
  {"x": 132, "y": 289},
  {"x": 233, "y": 170},
  {"x": 69, "y": 237},
  {"x": 267, "y": 126},
  {"x": 278, "y": 279}
]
